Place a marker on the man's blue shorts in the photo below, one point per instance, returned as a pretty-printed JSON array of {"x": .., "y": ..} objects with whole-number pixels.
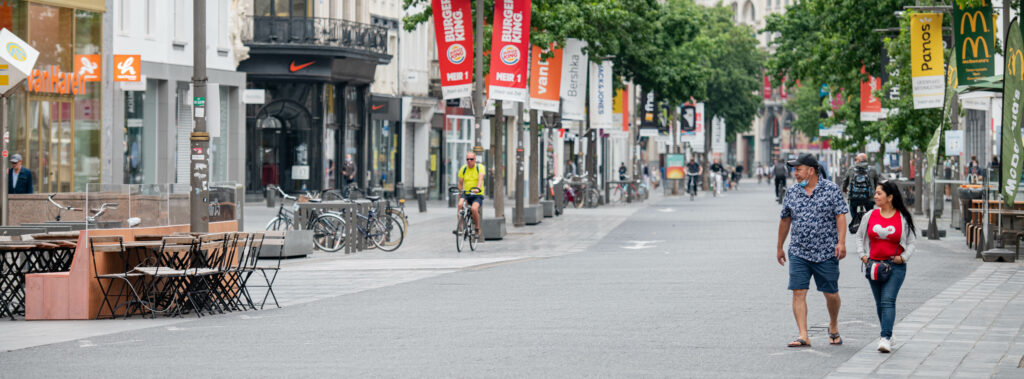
[
  {"x": 470, "y": 199},
  {"x": 826, "y": 274}
]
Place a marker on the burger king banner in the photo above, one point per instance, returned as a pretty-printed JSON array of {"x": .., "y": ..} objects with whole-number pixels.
[
  {"x": 453, "y": 23},
  {"x": 545, "y": 80},
  {"x": 510, "y": 44}
]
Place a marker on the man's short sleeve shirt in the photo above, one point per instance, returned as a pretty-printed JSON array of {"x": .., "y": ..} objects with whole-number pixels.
[
  {"x": 813, "y": 233},
  {"x": 471, "y": 177}
]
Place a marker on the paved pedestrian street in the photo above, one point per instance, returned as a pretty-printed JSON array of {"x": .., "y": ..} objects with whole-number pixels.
[{"x": 666, "y": 288}]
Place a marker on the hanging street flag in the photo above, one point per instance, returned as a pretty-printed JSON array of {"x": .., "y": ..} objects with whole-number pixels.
[
  {"x": 601, "y": 95},
  {"x": 767, "y": 88},
  {"x": 509, "y": 45},
  {"x": 620, "y": 108},
  {"x": 453, "y": 25},
  {"x": 926, "y": 59},
  {"x": 975, "y": 42},
  {"x": 1013, "y": 85},
  {"x": 783, "y": 94},
  {"x": 718, "y": 135},
  {"x": 574, "y": 80},
  {"x": 870, "y": 105},
  {"x": 545, "y": 80},
  {"x": 693, "y": 132},
  {"x": 952, "y": 81}
]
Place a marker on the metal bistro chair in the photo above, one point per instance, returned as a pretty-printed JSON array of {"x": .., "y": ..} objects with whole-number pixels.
[
  {"x": 248, "y": 262},
  {"x": 166, "y": 282},
  {"x": 228, "y": 280},
  {"x": 220, "y": 253},
  {"x": 269, "y": 273},
  {"x": 114, "y": 244}
]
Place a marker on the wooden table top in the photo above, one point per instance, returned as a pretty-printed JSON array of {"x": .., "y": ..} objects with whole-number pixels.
[
  {"x": 56, "y": 236},
  {"x": 146, "y": 244}
]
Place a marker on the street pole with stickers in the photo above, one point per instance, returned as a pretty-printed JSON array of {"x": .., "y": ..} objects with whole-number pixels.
[
  {"x": 16, "y": 61},
  {"x": 199, "y": 191}
]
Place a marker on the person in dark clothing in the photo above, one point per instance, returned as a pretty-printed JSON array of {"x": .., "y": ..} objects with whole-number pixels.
[
  {"x": 781, "y": 172},
  {"x": 622, "y": 172},
  {"x": 19, "y": 178},
  {"x": 859, "y": 184}
]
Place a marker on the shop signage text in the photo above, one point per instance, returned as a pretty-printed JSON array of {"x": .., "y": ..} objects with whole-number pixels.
[
  {"x": 53, "y": 80},
  {"x": 509, "y": 45},
  {"x": 975, "y": 41},
  {"x": 127, "y": 68},
  {"x": 926, "y": 60},
  {"x": 545, "y": 80}
]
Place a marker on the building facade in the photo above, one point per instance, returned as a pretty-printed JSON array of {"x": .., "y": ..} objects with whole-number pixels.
[
  {"x": 56, "y": 118},
  {"x": 154, "y": 116},
  {"x": 311, "y": 63}
]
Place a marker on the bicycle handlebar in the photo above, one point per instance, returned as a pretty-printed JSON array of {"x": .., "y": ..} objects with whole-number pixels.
[
  {"x": 284, "y": 195},
  {"x": 64, "y": 207}
]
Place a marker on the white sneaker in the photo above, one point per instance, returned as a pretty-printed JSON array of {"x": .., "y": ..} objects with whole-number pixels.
[{"x": 885, "y": 345}]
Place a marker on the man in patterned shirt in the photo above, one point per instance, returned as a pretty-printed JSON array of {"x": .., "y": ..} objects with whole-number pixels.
[{"x": 815, "y": 209}]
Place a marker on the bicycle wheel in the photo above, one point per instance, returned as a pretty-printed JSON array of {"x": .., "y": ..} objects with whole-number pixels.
[
  {"x": 593, "y": 197},
  {"x": 394, "y": 234},
  {"x": 376, "y": 233},
  {"x": 618, "y": 195},
  {"x": 471, "y": 235},
  {"x": 458, "y": 236},
  {"x": 279, "y": 223},
  {"x": 329, "y": 232},
  {"x": 401, "y": 216},
  {"x": 333, "y": 195},
  {"x": 577, "y": 199}
]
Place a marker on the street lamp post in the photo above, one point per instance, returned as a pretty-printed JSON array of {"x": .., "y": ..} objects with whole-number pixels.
[{"x": 199, "y": 218}]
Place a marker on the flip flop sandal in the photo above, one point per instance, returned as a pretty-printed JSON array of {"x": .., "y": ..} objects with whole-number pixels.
[
  {"x": 799, "y": 342},
  {"x": 833, "y": 337}
]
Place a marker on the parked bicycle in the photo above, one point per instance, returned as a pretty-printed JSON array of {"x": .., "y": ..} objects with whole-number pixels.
[
  {"x": 96, "y": 212},
  {"x": 632, "y": 190},
  {"x": 465, "y": 231},
  {"x": 328, "y": 228}
]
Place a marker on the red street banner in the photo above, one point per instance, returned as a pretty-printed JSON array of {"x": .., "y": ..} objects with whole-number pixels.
[
  {"x": 509, "y": 50},
  {"x": 870, "y": 106},
  {"x": 783, "y": 94},
  {"x": 767, "y": 88},
  {"x": 453, "y": 23}
]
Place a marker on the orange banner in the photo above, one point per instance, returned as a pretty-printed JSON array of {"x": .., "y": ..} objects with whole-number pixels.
[
  {"x": 545, "y": 80},
  {"x": 127, "y": 68},
  {"x": 88, "y": 67}
]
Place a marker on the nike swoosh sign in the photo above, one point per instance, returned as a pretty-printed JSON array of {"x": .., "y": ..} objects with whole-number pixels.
[
  {"x": 377, "y": 107},
  {"x": 294, "y": 68}
]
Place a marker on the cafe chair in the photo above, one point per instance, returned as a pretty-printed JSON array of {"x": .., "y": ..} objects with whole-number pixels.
[
  {"x": 166, "y": 282},
  {"x": 106, "y": 280},
  {"x": 269, "y": 274}
]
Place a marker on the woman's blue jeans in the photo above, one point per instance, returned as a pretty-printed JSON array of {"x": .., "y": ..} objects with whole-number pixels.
[{"x": 885, "y": 297}]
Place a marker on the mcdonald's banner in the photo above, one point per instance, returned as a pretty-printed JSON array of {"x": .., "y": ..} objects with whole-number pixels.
[
  {"x": 926, "y": 59},
  {"x": 574, "y": 80},
  {"x": 1013, "y": 85},
  {"x": 870, "y": 105},
  {"x": 510, "y": 42},
  {"x": 601, "y": 95},
  {"x": 453, "y": 23},
  {"x": 545, "y": 80},
  {"x": 973, "y": 32}
]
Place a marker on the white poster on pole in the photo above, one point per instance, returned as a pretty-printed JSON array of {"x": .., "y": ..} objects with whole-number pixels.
[
  {"x": 954, "y": 143},
  {"x": 574, "y": 80},
  {"x": 718, "y": 135},
  {"x": 601, "y": 95}
]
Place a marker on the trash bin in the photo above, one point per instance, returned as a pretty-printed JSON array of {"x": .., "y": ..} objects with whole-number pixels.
[
  {"x": 421, "y": 199},
  {"x": 399, "y": 190}
]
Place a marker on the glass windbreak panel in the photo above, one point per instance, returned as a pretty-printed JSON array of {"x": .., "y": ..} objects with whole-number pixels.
[
  {"x": 50, "y": 31},
  {"x": 108, "y": 206},
  {"x": 18, "y": 126},
  {"x": 87, "y": 136},
  {"x": 223, "y": 201},
  {"x": 178, "y": 203},
  {"x": 149, "y": 205},
  {"x": 39, "y": 112},
  {"x": 62, "y": 147}
]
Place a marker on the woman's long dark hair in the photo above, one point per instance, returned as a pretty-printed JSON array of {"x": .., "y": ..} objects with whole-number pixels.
[{"x": 890, "y": 188}]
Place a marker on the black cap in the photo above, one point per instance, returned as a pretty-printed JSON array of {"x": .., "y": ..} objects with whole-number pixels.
[{"x": 804, "y": 160}]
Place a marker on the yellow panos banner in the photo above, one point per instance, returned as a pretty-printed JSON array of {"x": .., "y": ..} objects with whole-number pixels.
[{"x": 926, "y": 60}]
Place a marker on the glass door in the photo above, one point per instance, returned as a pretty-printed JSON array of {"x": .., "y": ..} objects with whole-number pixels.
[
  {"x": 50, "y": 145},
  {"x": 458, "y": 141}
]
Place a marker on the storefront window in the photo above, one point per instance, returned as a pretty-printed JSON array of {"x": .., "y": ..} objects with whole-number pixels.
[
  {"x": 135, "y": 135},
  {"x": 384, "y": 148},
  {"x": 86, "y": 128},
  {"x": 12, "y": 16},
  {"x": 50, "y": 32}
]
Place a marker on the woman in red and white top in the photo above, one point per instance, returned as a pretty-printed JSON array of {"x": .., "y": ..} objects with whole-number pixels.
[{"x": 887, "y": 233}]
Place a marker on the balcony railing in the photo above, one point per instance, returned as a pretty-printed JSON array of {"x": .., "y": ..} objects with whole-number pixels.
[{"x": 315, "y": 32}]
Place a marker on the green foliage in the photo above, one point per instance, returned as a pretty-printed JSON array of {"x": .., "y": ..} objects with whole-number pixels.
[
  {"x": 734, "y": 63},
  {"x": 803, "y": 101},
  {"x": 914, "y": 127}
]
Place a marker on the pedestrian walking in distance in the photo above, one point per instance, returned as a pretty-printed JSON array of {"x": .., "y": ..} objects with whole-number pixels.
[
  {"x": 859, "y": 183},
  {"x": 814, "y": 216},
  {"x": 885, "y": 241}
]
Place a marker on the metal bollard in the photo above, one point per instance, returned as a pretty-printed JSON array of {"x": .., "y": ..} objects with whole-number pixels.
[
  {"x": 421, "y": 199},
  {"x": 271, "y": 195}
]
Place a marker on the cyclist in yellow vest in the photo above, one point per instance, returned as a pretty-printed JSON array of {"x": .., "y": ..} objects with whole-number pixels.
[{"x": 471, "y": 176}]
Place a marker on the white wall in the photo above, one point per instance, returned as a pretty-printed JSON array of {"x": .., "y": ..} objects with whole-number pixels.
[
  {"x": 414, "y": 56},
  {"x": 170, "y": 22},
  {"x": 386, "y": 78}
]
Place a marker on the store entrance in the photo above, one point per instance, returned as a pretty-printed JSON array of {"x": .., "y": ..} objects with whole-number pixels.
[
  {"x": 284, "y": 137},
  {"x": 50, "y": 149}
]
